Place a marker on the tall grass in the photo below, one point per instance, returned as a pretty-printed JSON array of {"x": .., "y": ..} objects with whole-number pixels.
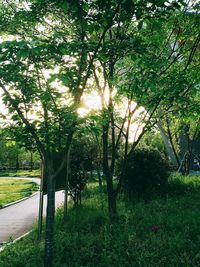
[{"x": 162, "y": 232}]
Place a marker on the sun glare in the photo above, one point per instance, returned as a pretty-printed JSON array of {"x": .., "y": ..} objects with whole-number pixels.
[{"x": 90, "y": 102}]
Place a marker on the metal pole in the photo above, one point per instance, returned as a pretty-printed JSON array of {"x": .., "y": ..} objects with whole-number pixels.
[{"x": 40, "y": 215}]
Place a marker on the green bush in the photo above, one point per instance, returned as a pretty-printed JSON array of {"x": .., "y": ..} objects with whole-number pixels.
[
  {"x": 77, "y": 183},
  {"x": 147, "y": 171}
]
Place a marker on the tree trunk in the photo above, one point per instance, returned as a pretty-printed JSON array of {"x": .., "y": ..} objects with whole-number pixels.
[
  {"x": 17, "y": 162},
  {"x": 189, "y": 151},
  {"x": 99, "y": 177},
  {"x": 31, "y": 162},
  {"x": 48, "y": 253},
  {"x": 66, "y": 186},
  {"x": 171, "y": 142},
  {"x": 112, "y": 205},
  {"x": 175, "y": 160},
  {"x": 187, "y": 163},
  {"x": 91, "y": 175},
  {"x": 40, "y": 214}
]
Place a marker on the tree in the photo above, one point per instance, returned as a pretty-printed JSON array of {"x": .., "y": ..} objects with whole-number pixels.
[
  {"x": 83, "y": 154},
  {"x": 144, "y": 68},
  {"x": 181, "y": 129},
  {"x": 50, "y": 45},
  {"x": 50, "y": 50}
]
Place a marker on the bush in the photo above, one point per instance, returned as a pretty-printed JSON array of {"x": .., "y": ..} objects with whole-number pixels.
[
  {"x": 77, "y": 182},
  {"x": 147, "y": 171}
]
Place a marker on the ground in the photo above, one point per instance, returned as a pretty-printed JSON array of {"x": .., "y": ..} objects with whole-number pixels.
[{"x": 162, "y": 231}]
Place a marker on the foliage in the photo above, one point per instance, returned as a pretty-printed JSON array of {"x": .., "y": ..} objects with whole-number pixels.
[
  {"x": 13, "y": 154},
  {"x": 15, "y": 189},
  {"x": 13, "y": 158},
  {"x": 147, "y": 68},
  {"x": 146, "y": 171},
  {"x": 181, "y": 129},
  {"x": 153, "y": 140},
  {"x": 83, "y": 154}
]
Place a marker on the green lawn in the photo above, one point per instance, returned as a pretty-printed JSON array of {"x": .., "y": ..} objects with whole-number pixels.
[
  {"x": 20, "y": 173},
  {"x": 15, "y": 189},
  {"x": 161, "y": 232}
]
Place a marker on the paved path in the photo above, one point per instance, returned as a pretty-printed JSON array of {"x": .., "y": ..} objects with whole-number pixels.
[{"x": 18, "y": 219}]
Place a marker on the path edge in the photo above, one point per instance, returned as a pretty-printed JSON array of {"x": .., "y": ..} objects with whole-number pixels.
[{"x": 18, "y": 201}]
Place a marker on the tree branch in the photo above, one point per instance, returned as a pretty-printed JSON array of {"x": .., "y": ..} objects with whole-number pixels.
[{"x": 30, "y": 128}]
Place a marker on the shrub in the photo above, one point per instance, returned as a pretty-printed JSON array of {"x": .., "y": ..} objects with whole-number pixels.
[
  {"x": 147, "y": 171},
  {"x": 77, "y": 182}
]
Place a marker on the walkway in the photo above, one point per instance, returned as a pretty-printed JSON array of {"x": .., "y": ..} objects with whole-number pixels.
[{"x": 18, "y": 219}]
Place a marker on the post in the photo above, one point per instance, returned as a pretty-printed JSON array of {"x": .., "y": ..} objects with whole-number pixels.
[{"x": 40, "y": 215}]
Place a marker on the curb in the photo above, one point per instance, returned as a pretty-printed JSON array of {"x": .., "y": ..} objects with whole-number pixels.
[
  {"x": 14, "y": 241},
  {"x": 18, "y": 201}
]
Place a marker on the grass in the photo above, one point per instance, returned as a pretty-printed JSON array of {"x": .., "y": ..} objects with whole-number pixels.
[
  {"x": 20, "y": 173},
  {"x": 15, "y": 189},
  {"x": 162, "y": 232}
]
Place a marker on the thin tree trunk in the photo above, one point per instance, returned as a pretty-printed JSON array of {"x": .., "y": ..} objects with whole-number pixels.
[
  {"x": 91, "y": 175},
  {"x": 171, "y": 142},
  {"x": 168, "y": 146},
  {"x": 112, "y": 206},
  {"x": 48, "y": 253},
  {"x": 40, "y": 215},
  {"x": 99, "y": 177},
  {"x": 66, "y": 186},
  {"x": 31, "y": 162},
  {"x": 17, "y": 162},
  {"x": 189, "y": 150}
]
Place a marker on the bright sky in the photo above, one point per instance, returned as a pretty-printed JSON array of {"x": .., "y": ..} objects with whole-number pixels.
[{"x": 92, "y": 102}]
